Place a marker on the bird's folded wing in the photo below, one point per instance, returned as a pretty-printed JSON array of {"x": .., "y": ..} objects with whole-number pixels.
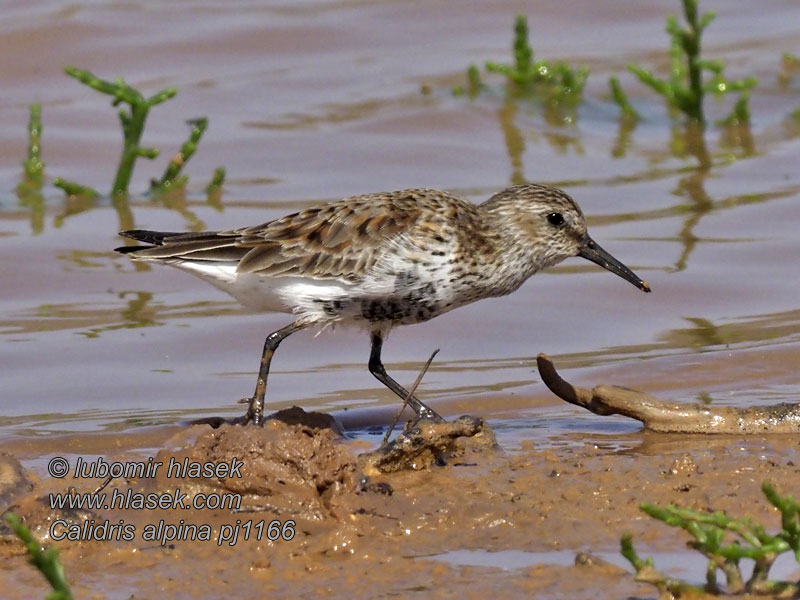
[{"x": 341, "y": 240}]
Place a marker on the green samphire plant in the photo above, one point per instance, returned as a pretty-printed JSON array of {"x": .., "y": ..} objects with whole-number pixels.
[
  {"x": 133, "y": 116},
  {"x": 527, "y": 77},
  {"x": 725, "y": 541},
  {"x": 45, "y": 561},
  {"x": 687, "y": 85}
]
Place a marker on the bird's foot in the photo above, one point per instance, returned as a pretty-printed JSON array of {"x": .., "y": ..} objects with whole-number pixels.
[
  {"x": 426, "y": 413},
  {"x": 424, "y": 418},
  {"x": 255, "y": 411}
]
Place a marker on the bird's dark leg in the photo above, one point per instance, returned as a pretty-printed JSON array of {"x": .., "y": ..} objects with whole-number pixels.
[
  {"x": 255, "y": 412},
  {"x": 377, "y": 369}
]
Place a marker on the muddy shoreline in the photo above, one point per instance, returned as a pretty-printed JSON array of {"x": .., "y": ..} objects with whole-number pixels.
[{"x": 390, "y": 533}]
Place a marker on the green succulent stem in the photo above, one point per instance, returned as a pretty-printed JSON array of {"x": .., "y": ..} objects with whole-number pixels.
[
  {"x": 187, "y": 150},
  {"x": 556, "y": 83},
  {"x": 33, "y": 163},
  {"x": 725, "y": 541},
  {"x": 686, "y": 87},
  {"x": 46, "y": 561},
  {"x": 132, "y": 118},
  {"x": 29, "y": 189},
  {"x": 621, "y": 99},
  {"x": 72, "y": 188},
  {"x": 217, "y": 179}
]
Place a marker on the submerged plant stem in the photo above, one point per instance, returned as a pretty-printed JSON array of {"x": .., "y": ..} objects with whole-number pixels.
[{"x": 33, "y": 164}]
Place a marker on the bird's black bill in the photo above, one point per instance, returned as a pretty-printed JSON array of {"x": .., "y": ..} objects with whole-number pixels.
[{"x": 591, "y": 251}]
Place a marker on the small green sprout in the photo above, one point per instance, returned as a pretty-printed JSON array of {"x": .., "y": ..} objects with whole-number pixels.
[
  {"x": 216, "y": 180},
  {"x": 171, "y": 175},
  {"x": 214, "y": 188},
  {"x": 621, "y": 99},
  {"x": 29, "y": 189},
  {"x": 33, "y": 164},
  {"x": 557, "y": 80},
  {"x": 557, "y": 83},
  {"x": 71, "y": 188}
]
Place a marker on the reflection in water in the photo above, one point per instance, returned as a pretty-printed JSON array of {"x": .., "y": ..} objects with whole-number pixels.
[
  {"x": 214, "y": 197},
  {"x": 677, "y": 210},
  {"x": 515, "y": 142},
  {"x": 701, "y": 205},
  {"x": 687, "y": 141},
  {"x": 627, "y": 124},
  {"x": 90, "y": 319},
  {"x": 30, "y": 196},
  {"x": 75, "y": 205},
  {"x": 137, "y": 314},
  {"x": 738, "y": 135},
  {"x": 29, "y": 193},
  {"x": 124, "y": 212},
  {"x": 558, "y": 114},
  {"x": 84, "y": 259},
  {"x": 705, "y": 335},
  {"x": 175, "y": 199}
]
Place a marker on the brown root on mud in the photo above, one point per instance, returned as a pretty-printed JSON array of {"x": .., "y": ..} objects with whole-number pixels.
[
  {"x": 658, "y": 415},
  {"x": 428, "y": 443}
]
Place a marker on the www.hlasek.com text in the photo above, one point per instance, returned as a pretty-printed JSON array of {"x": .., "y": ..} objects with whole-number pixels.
[{"x": 131, "y": 500}]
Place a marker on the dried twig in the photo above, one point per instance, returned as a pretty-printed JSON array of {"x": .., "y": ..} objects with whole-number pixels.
[{"x": 413, "y": 389}]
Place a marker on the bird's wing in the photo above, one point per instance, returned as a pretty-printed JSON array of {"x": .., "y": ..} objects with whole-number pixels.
[{"x": 340, "y": 240}]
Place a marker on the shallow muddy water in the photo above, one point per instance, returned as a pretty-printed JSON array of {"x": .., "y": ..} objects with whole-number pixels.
[{"x": 314, "y": 101}]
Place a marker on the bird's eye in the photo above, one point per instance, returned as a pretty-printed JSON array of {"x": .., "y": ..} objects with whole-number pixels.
[{"x": 555, "y": 219}]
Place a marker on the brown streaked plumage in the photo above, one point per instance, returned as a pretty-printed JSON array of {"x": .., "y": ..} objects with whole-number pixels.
[{"x": 381, "y": 260}]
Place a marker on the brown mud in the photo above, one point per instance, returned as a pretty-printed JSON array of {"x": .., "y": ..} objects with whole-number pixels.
[{"x": 469, "y": 519}]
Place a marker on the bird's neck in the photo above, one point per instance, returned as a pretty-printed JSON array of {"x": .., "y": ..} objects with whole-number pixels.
[{"x": 512, "y": 259}]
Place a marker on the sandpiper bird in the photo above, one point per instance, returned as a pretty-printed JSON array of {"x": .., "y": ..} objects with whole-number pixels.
[{"x": 382, "y": 260}]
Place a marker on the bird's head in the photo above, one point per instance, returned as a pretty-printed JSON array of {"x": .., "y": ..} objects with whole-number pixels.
[{"x": 551, "y": 226}]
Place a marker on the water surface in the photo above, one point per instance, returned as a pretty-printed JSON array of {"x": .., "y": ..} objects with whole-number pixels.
[{"x": 318, "y": 100}]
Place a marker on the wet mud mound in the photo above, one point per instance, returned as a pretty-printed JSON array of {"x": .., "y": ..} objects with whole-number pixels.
[{"x": 295, "y": 464}]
